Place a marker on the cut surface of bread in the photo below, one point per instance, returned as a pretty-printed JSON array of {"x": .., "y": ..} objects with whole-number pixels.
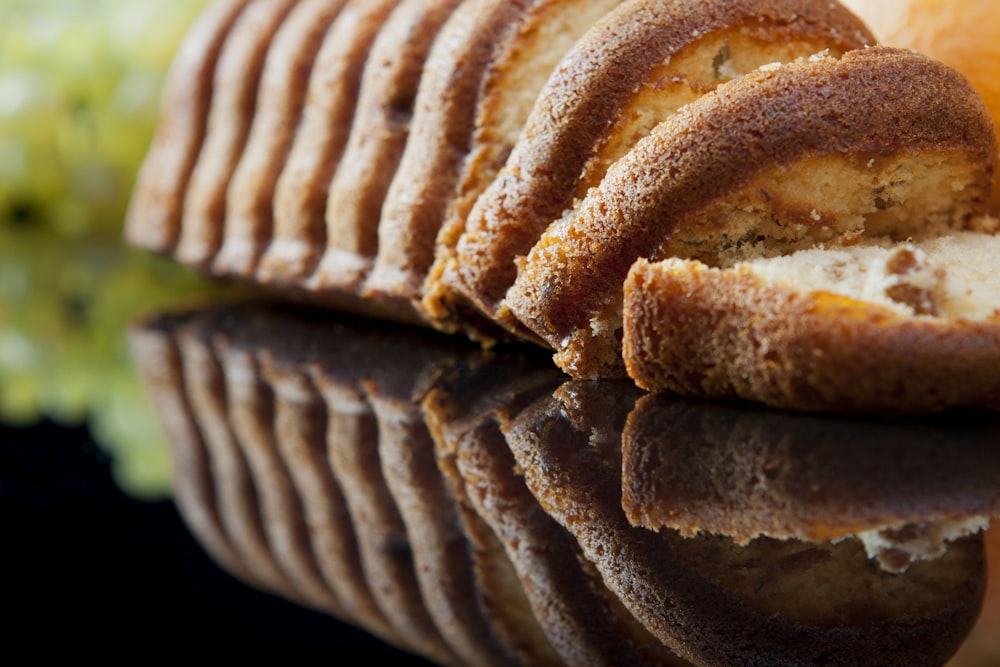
[{"x": 787, "y": 157}]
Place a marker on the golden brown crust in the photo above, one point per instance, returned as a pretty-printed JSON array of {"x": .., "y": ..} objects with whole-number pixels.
[
  {"x": 579, "y": 107},
  {"x": 568, "y": 289},
  {"x": 708, "y": 332},
  {"x": 155, "y": 215},
  {"x": 283, "y": 86},
  {"x": 520, "y": 68},
  {"x": 376, "y": 142},
  {"x": 234, "y": 100},
  {"x": 440, "y": 133},
  {"x": 301, "y": 191}
]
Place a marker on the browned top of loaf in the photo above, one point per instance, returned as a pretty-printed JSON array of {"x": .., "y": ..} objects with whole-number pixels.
[
  {"x": 585, "y": 94},
  {"x": 700, "y": 331},
  {"x": 870, "y": 102}
]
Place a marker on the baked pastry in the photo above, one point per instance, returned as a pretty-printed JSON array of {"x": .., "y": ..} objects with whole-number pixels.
[
  {"x": 155, "y": 215},
  {"x": 958, "y": 34},
  {"x": 786, "y": 158},
  {"x": 299, "y": 234},
  {"x": 479, "y": 84},
  {"x": 496, "y": 167},
  {"x": 905, "y": 487},
  {"x": 377, "y": 140}
]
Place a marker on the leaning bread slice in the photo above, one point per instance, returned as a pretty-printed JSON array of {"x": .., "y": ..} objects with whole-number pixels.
[
  {"x": 301, "y": 190},
  {"x": 235, "y": 89},
  {"x": 874, "y": 147},
  {"x": 153, "y": 220},
  {"x": 913, "y": 327},
  {"x": 634, "y": 68},
  {"x": 375, "y": 145},
  {"x": 480, "y": 83},
  {"x": 282, "y": 94}
]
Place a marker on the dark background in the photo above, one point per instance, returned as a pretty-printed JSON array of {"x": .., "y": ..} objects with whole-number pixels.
[{"x": 90, "y": 571}]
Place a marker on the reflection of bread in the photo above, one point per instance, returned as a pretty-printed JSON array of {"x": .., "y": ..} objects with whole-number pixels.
[
  {"x": 714, "y": 602},
  {"x": 906, "y": 488}
]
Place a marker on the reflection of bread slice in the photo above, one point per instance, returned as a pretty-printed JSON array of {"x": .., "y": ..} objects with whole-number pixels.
[
  {"x": 194, "y": 487},
  {"x": 301, "y": 191},
  {"x": 714, "y": 602},
  {"x": 283, "y": 86},
  {"x": 784, "y": 158},
  {"x": 236, "y": 490},
  {"x": 234, "y": 101},
  {"x": 633, "y": 69},
  {"x": 905, "y": 487},
  {"x": 376, "y": 142},
  {"x": 582, "y": 620},
  {"x": 155, "y": 217}
]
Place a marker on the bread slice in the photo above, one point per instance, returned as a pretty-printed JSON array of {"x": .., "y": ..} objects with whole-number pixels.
[
  {"x": 906, "y": 488},
  {"x": 235, "y": 85},
  {"x": 788, "y": 157},
  {"x": 634, "y": 68},
  {"x": 376, "y": 142},
  {"x": 283, "y": 86},
  {"x": 155, "y": 216},
  {"x": 443, "y": 119},
  {"x": 717, "y": 603},
  {"x": 911, "y": 327},
  {"x": 299, "y": 232},
  {"x": 479, "y": 85}
]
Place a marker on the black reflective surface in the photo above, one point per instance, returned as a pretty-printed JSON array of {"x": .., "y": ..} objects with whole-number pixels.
[{"x": 347, "y": 489}]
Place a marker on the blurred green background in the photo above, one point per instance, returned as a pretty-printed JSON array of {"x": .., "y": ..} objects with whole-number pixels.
[{"x": 80, "y": 84}]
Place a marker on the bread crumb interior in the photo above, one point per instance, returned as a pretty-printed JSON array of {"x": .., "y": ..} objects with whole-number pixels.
[{"x": 950, "y": 276}]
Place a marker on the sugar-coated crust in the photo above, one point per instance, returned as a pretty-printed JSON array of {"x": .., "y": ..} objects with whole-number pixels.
[
  {"x": 697, "y": 466},
  {"x": 440, "y": 134},
  {"x": 579, "y": 105},
  {"x": 235, "y": 89},
  {"x": 771, "y": 118},
  {"x": 667, "y": 581},
  {"x": 376, "y": 142},
  {"x": 301, "y": 191},
  {"x": 708, "y": 332},
  {"x": 155, "y": 216},
  {"x": 283, "y": 86}
]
